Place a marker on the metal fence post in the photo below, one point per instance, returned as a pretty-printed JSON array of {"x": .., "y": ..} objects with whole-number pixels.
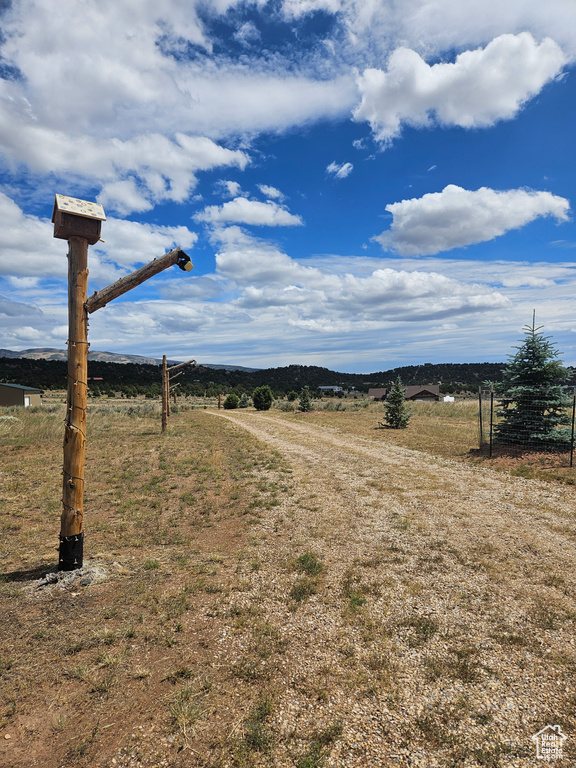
[
  {"x": 572, "y": 434},
  {"x": 491, "y": 419}
]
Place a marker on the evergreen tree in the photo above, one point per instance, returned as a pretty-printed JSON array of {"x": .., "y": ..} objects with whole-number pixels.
[
  {"x": 397, "y": 414},
  {"x": 305, "y": 401},
  {"x": 262, "y": 398},
  {"x": 533, "y": 401},
  {"x": 244, "y": 401},
  {"x": 231, "y": 402}
]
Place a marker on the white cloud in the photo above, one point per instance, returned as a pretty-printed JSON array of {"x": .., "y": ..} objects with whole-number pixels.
[
  {"x": 457, "y": 217},
  {"x": 28, "y": 248},
  {"x": 248, "y": 34},
  {"x": 271, "y": 192},
  {"x": 244, "y": 211},
  {"x": 480, "y": 88},
  {"x": 229, "y": 188},
  {"x": 269, "y": 280},
  {"x": 340, "y": 171},
  {"x": 371, "y": 28}
]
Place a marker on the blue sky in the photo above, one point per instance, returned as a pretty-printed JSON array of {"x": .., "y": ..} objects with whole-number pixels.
[{"x": 360, "y": 184}]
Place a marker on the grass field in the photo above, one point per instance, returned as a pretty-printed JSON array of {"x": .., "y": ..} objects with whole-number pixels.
[{"x": 126, "y": 671}]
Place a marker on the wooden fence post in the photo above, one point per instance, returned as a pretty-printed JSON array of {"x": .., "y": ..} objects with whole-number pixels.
[{"x": 167, "y": 374}]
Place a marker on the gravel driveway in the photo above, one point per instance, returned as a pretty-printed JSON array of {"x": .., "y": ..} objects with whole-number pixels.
[{"x": 440, "y": 629}]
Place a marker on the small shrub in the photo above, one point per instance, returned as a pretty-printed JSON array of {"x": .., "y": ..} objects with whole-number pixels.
[
  {"x": 262, "y": 398},
  {"x": 244, "y": 401},
  {"x": 231, "y": 402}
]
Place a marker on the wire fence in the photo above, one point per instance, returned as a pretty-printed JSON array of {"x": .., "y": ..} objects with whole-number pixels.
[{"x": 527, "y": 426}]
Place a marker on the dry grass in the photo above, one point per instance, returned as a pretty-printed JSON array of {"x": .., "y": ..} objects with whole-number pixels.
[{"x": 282, "y": 589}]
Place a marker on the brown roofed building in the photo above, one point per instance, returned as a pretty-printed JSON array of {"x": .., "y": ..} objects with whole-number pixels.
[
  {"x": 412, "y": 392},
  {"x": 16, "y": 394}
]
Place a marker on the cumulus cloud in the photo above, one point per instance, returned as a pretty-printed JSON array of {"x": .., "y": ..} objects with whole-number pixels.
[
  {"x": 271, "y": 192},
  {"x": 28, "y": 248},
  {"x": 244, "y": 211},
  {"x": 268, "y": 279},
  {"x": 478, "y": 89},
  {"x": 457, "y": 217},
  {"x": 229, "y": 188},
  {"x": 340, "y": 171},
  {"x": 374, "y": 27}
]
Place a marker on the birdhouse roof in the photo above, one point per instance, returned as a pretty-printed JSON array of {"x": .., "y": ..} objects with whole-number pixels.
[{"x": 82, "y": 208}]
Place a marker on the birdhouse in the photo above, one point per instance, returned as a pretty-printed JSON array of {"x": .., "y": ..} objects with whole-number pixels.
[{"x": 77, "y": 218}]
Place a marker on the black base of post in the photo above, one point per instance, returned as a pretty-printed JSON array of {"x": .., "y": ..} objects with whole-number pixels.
[{"x": 71, "y": 552}]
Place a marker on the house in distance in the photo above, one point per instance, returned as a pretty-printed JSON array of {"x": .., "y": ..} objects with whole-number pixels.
[
  {"x": 413, "y": 392},
  {"x": 16, "y": 394}
]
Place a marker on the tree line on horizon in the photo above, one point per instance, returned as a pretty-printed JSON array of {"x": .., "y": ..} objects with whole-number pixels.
[{"x": 132, "y": 379}]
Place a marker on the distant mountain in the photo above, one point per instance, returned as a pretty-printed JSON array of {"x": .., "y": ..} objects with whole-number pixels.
[{"x": 49, "y": 353}]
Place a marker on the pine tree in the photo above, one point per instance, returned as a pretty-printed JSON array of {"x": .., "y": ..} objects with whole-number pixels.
[
  {"x": 533, "y": 399},
  {"x": 262, "y": 398},
  {"x": 305, "y": 401},
  {"x": 397, "y": 414}
]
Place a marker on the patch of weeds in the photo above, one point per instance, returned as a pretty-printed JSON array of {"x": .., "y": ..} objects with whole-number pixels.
[
  {"x": 465, "y": 666},
  {"x": 354, "y": 590},
  {"x": 303, "y": 589},
  {"x": 308, "y": 563},
  {"x": 319, "y": 748},
  {"x": 268, "y": 640},
  {"x": 434, "y": 730},
  {"x": 184, "y": 711},
  {"x": 422, "y": 629},
  {"x": 548, "y": 616},
  {"x": 512, "y": 638},
  {"x": 257, "y": 737},
  {"x": 248, "y": 670},
  {"x": 523, "y": 470},
  {"x": 151, "y": 564},
  {"x": 182, "y": 673}
]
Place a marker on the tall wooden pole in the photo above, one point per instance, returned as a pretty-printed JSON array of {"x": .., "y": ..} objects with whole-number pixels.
[
  {"x": 79, "y": 222},
  {"x": 72, "y": 520}
]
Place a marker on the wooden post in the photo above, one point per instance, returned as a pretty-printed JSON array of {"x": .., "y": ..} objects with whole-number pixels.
[
  {"x": 165, "y": 392},
  {"x": 79, "y": 222},
  {"x": 72, "y": 520},
  {"x": 167, "y": 374}
]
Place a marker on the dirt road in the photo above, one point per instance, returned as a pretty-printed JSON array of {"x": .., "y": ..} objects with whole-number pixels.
[{"x": 440, "y": 630}]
